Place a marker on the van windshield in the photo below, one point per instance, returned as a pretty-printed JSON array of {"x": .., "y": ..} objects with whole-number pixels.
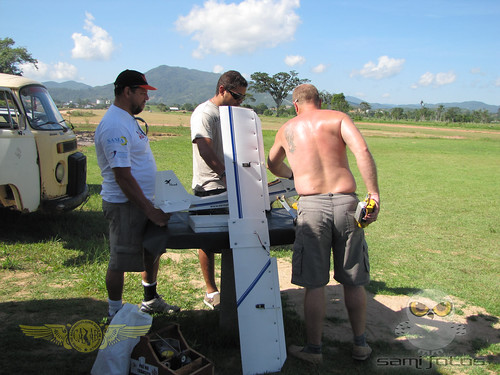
[{"x": 41, "y": 110}]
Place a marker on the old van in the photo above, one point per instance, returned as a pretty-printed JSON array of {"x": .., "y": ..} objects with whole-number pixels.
[{"x": 40, "y": 166}]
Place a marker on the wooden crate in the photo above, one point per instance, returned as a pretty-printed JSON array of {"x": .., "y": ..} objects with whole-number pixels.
[{"x": 145, "y": 360}]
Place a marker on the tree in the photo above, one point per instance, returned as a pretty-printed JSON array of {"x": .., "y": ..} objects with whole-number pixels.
[
  {"x": 397, "y": 113},
  {"x": 365, "y": 107},
  {"x": 188, "y": 107},
  {"x": 10, "y": 58},
  {"x": 278, "y": 86},
  {"x": 339, "y": 103},
  {"x": 326, "y": 99},
  {"x": 452, "y": 114},
  {"x": 259, "y": 109},
  {"x": 439, "y": 112}
]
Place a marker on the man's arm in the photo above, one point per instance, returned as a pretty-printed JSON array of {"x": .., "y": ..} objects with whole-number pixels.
[
  {"x": 207, "y": 153},
  {"x": 276, "y": 159},
  {"x": 365, "y": 162},
  {"x": 134, "y": 193}
]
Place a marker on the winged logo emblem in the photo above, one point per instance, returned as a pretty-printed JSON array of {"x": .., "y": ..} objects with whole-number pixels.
[
  {"x": 55, "y": 333},
  {"x": 85, "y": 335},
  {"x": 119, "y": 332}
]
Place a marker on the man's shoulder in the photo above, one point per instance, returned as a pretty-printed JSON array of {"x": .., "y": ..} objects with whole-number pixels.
[
  {"x": 115, "y": 119},
  {"x": 206, "y": 111},
  {"x": 205, "y": 106}
]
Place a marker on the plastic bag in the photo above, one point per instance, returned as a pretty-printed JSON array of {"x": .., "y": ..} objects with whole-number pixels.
[{"x": 114, "y": 357}]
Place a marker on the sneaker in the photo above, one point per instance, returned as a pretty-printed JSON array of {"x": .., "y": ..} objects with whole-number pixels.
[
  {"x": 158, "y": 305},
  {"x": 361, "y": 353},
  {"x": 212, "y": 302},
  {"x": 296, "y": 351}
]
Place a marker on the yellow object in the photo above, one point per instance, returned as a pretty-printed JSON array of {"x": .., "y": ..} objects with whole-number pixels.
[
  {"x": 365, "y": 207},
  {"x": 167, "y": 354}
]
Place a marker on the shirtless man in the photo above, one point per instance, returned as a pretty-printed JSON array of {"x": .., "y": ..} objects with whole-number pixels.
[{"x": 314, "y": 143}]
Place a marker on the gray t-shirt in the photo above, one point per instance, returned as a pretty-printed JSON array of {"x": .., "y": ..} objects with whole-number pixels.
[{"x": 205, "y": 123}]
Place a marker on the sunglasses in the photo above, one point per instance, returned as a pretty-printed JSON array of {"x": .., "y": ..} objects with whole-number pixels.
[
  {"x": 236, "y": 95},
  {"x": 142, "y": 125},
  {"x": 441, "y": 309}
]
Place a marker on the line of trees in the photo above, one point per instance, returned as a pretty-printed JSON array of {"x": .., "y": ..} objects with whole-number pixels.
[{"x": 438, "y": 114}]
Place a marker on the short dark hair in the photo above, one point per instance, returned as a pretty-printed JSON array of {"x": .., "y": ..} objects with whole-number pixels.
[{"x": 231, "y": 80}]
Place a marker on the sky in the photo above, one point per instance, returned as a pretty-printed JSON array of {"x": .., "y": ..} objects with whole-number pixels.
[{"x": 384, "y": 51}]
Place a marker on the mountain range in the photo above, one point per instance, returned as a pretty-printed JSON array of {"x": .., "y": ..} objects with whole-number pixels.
[{"x": 177, "y": 86}]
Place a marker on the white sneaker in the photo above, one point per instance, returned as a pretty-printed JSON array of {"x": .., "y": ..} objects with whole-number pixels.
[
  {"x": 158, "y": 305},
  {"x": 361, "y": 353},
  {"x": 212, "y": 302}
]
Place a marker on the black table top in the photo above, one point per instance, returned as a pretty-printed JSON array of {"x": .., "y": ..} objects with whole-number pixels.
[{"x": 179, "y": 235}]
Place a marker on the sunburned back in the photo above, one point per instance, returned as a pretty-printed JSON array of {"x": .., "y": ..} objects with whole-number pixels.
[{"x": 317, "y": 153}]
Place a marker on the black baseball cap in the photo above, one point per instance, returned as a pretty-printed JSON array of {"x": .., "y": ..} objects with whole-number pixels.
[{"x": 132, "y": 78}]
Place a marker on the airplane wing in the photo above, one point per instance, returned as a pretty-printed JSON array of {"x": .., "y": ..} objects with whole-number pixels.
[{"x": 171, "y": 196}]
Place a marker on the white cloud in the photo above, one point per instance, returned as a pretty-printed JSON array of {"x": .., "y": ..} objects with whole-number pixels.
[
  {"x": 497, "y": 82},
  {"x": 240, "y": 28},
  {"x": 445, "y": 78},
  {"x": 319, "y": 68},
  {"x": 426, "y": 79},
  {"x": 97, "y": 46},
  {"x": 59, "y": 71},
  {"x": 218, "y": 69},
  {"x": 385, "y": 68},
  {"x": 438, "y": 79},
  {"x": 295, "y": 60}
]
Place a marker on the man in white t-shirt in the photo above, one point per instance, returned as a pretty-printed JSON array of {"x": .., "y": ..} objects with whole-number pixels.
[
  {"x": 128, "y": 170},
  {"x": 208, "y": 160}
]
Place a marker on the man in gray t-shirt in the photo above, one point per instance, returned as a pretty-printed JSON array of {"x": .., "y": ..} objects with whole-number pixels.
[{"x": 208, "y": 159}]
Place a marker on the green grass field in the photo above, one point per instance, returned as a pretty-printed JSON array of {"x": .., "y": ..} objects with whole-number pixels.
[{"x": 437, "y": 230}]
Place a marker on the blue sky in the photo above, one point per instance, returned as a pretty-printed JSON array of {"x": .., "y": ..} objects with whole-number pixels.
[{"x": 384, "y": 51}]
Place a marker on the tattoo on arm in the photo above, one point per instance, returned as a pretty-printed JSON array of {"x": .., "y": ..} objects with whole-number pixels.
[{"x": 289, "y": 139}]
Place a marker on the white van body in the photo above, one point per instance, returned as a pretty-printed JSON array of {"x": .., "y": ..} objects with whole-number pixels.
[{"x": 40, "y": 166}]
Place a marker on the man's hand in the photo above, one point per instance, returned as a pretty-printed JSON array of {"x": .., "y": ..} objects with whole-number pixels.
[
  {"x": 370, "y": 217},
  {"x": 158, "y": 217}
]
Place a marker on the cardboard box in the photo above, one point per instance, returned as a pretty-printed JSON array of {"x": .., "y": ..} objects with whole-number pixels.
[{"x": 166, "y": 352}]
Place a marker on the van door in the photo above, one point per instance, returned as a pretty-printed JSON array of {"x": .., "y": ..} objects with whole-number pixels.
[{"x": 19, "y": 172}]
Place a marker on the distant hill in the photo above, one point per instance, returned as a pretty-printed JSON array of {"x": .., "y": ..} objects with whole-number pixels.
[{"x": 177, "y": 86}]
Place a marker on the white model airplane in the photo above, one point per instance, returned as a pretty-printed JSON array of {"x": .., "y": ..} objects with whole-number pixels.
[{"x": 171, "y": 196}]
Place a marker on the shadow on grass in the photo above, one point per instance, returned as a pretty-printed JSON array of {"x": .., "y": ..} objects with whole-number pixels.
[
  {"x": 380, "y": 287},
  {"x": 26, "y": 355},
  {"x": 86, "y": 231}
]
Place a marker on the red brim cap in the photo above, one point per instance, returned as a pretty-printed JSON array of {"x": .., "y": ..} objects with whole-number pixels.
[{"x": 147, "y": 87}]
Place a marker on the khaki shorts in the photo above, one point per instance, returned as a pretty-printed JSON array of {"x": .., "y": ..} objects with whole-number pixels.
[
  {"x": 326, "y": 222},
  {"x": 126, "y": 230}
]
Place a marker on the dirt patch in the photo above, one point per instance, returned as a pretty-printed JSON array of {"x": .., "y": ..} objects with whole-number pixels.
[
  {"x": 85, "y": 138},
  {"x": 387, "y": 314},
  {"x": 424, "y": 127},
  {"x": 391, "y": 134}
]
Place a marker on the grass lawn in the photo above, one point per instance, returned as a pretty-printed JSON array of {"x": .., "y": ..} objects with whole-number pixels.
[{"x": 437, "y": 230}]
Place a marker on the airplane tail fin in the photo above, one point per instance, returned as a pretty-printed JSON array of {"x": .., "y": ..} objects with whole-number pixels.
[{"x": 170, "y": 194}]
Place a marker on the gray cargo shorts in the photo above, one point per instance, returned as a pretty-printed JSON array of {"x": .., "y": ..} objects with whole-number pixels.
[
  {"x": 325, "y": 222},
  {"x": 126, "y": 231}
]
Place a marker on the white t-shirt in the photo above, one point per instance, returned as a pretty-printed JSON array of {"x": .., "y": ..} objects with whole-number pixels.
[
  {"x": 120, "y": 142},
  {"x": 205, "y": 123}
]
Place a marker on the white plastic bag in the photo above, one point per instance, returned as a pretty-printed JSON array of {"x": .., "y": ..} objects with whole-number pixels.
[{"x": 122, "y": 336}]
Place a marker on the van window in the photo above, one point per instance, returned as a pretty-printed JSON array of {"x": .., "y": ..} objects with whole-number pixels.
[
  {"x": 9, "y": 113},
  {"x": 41, "y": 110}
]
